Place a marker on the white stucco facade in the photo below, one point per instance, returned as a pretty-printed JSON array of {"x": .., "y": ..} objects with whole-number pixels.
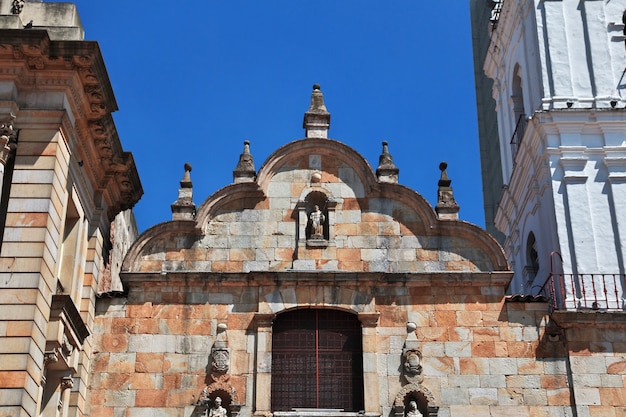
[{"x": 558, "y": 70}]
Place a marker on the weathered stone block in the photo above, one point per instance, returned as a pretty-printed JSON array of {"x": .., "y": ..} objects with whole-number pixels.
[
  {"x": 559, "y": 396},
  {"x": 483, "y": 396},
  {"x": 441, "y": 366},
  {"x": 458, "y": 349},
  {"x": 587, "y": 396},
  {"x": 468, "y": 410},
  {"x": 454, "y": 396},
  {"x": 124, "y": 398},
  {"x": 588, "y": 365},
  {"x": 474, "y": 366},
  {"x": 114, "y": 342},
  {"x": 492, "y": 381},
  {"x": 509, "y": 411},
  {"x": 121, "y": 362},
  {"x": 523, "y": 381},
  {"x": 149, "y": 362}
]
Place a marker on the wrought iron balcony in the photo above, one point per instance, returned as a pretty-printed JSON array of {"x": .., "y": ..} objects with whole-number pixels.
[{"x": 585, "y": 291}]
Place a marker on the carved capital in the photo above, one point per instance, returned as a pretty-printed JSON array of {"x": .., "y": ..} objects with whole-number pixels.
[
  {"x": 50, "y": 358},
  {"x": 264, "y": 319},
  {"x": 67, "y": 383},
  {"x": 369, "y": 319}
]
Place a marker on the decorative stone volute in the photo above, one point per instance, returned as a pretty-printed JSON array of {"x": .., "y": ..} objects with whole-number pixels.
[
  {"x": 387, "y": 171},
  {"x": 317, "y": 118},
  {"x": 447, "y": 207},
  {"x": 245, "y": 172},
  {"x": 184, "y": 208}
]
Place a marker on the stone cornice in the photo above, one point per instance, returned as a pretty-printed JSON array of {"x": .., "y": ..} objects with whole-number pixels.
[
  {"x": 589, "y": 318},
  {"x": 445, "y": 279},
  {"x": 32, "y": 60}
]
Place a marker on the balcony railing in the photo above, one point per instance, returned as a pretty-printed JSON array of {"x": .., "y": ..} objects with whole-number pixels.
[
  {"x": 518, "y": 134},
  {"x": 585, "y": 291}
]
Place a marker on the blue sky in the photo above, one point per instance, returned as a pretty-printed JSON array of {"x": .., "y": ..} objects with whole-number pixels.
[{"x": 194, "y": 79}]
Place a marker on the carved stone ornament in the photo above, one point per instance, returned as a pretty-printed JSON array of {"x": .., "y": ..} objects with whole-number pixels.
[
  {"x": 220, "y": 360},
  {"x": 50, "y": 357},
  {"x": 8, "y": 137},
  {"x": 67, "y": 383},
  {"x": 415, "y": 392},
  {"x": 412, "y": 367},
  {"x": 17, "y": 6},
  {"x": 228, "y": 394}
]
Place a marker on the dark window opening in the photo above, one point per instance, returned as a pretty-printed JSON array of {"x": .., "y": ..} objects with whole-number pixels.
[{"x": 317, "y": 361}]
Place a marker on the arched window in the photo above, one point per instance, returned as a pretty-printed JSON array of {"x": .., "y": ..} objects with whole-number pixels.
[
  {"x": 519, "y": 117},
  {"x": 532, "y": 259},
  {"x": 317, "y": 360}
]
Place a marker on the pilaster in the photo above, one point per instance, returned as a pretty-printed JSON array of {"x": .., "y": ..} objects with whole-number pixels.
[
  {"x": 263, "y": 383},
  {"x": 369, "y": 322}
]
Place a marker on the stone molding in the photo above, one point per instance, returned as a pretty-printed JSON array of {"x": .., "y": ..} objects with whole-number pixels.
[
  {"x": 32, "y": 60},
  {"x": 417, "y": 279}
]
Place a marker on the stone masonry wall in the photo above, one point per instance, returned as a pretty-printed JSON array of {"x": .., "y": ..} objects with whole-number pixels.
[
  {"x": 482, "y": 356},
  {"x": 29, "y": 255}
]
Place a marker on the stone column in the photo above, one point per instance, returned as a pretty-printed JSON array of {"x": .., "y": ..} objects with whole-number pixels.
[
  {"x": 369, "y": 321},
  {"x": 263, "y": 378}
]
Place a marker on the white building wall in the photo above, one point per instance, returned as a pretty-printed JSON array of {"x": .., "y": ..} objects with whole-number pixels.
[{"x": 567, "y": 182}]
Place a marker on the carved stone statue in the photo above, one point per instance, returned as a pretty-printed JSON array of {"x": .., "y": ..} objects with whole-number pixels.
[
  {"x": 317, "y": 220},
  {"x": 217, "y": 410},
  {"x": 413, "y": 411}
]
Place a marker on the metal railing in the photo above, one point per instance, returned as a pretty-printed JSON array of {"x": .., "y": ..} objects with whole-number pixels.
[
  {"x": 518, "y": 134},
  {"x": 585, "y": 291}
]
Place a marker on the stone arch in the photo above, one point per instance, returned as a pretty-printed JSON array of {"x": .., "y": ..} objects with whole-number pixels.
[
  {"x": 225, "y": 391},
  {"x": 419, "y": 393}
]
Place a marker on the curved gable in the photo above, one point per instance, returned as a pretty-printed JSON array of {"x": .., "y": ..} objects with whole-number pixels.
[{"x": 265, "y": 224}]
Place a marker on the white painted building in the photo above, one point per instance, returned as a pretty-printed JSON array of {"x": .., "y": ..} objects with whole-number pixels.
[{"x": 558, "y": 71}]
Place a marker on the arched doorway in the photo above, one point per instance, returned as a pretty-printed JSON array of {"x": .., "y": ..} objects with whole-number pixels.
[{"x": 317, "y": 360}]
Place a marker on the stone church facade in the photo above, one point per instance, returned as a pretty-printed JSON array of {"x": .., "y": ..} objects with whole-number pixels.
[
  {"x": 387, "y": 302},
  {"x": 313, "y": 286}
]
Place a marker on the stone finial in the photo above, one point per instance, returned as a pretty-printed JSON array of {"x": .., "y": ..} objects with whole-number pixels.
[
  {"x": 447, "y": 207},
  {"x": 245, "y": 172},
  {"x": 8, "y": 139},
  {"x": 387, "y": 171},
  {"x": 317, "y": 118},
  {"x": 184, "y": 208}
]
